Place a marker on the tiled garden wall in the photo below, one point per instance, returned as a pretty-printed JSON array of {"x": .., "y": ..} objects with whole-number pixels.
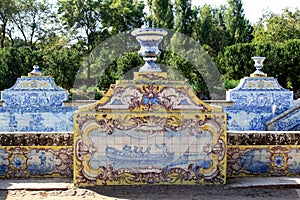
[
  {"x": 36, "y": 161},
  {"x": 36, "y": 130},
  {"x": 263, "y": 153}
]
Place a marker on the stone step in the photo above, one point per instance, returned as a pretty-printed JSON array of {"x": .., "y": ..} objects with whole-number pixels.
[{"x": 67, "y": 183}]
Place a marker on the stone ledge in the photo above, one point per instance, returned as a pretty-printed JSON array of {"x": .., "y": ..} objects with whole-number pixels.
[
  {"x": 36, "y": 184},
  {"x": 242, "y": 182}
]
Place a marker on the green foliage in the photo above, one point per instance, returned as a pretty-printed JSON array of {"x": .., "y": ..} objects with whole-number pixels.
[
  {"x": 193, "y": 64},
  {"x": 216, "y": 28},
  {"x": 16, "y": 62},
  {"x": 239, "y": 28},
  {"x": 278, "y": 27},
  {"x": 120, "y": 68},
  {"x": 161, "y": 14},
  {"x": 63, "y": 65},
  {"x": 210, "y": 29},
  {"x": 282, "y": 61},
  {"x": 236, "y": 62},
  {"x": 122, "y": 15},
  {"x": 229, "y": 83},
  {"x": 81, "y": 15},
  {"x": 185, "y": 16},
  {"x": 7, "y": 11},
  {"x": 31, "y": 20},
  {"x": 189, "y": 72}
]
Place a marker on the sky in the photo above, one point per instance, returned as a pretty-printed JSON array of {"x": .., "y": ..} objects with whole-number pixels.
[{"x": 254, "y": 9}]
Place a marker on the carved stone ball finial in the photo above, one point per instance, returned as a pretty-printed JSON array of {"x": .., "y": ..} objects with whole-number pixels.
[
  {"x": 258, "y": 65},
  {"x": 149, "y": 39},
  {"x": 36, "y": 71}
]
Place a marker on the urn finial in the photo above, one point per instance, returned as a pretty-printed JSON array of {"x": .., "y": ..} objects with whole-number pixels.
[
  {"x": 36, "y": 71},
  {"x": 149, "y": 39},
  {"x": 258, "y": 65}
]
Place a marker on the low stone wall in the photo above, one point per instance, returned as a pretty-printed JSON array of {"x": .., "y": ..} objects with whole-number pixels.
[{"x": 263, "y": 153}]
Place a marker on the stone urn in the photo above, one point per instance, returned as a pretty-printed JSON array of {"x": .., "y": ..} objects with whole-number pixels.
[
  {"x": 258, "y": 64},
  {"x": 149, "y": 39}
]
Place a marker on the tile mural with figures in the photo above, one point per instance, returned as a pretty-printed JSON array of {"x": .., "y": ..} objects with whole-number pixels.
[
  {"x": 256, "y": 100},
  {"x": 149, "y": 134},
  {"x": 35, "y": 104},
  {"x": 25, "y": 161}
]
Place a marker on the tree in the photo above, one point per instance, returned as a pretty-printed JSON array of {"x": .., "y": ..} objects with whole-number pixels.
[
  {"x": 161, "y": 14},
  {"x": 185, "y": 16},
  {"x": 16, "y": 62},
  {"x": 122, "y": 15},
  {"x": 238, "y": 27},
  {"x": 278, "y": 27},
  {"x": 32, "y": 20},
  {"x": 82, "y": 16},
  {"x": 62, "y": 64},
  {"x": 210, "y": 29},
  {"x": 7, "y": 11}
]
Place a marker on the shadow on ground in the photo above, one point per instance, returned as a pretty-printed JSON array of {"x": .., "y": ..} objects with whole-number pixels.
[
  {"x": 3, "y": 194},
  {"x": 194, "y": 192}
]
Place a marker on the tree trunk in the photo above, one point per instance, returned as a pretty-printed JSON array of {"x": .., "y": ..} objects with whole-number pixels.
[{"x": 3, "y": 33}]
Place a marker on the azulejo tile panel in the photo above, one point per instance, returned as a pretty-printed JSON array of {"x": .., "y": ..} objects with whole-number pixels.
[
  {"x": 35, "y": 104},
  {"x": 256, "y": 100},
  {"x": 263, "y": 160},
  {"x": 289, "y": 122},
  {"x": 149, "y": 134},
  {"x": 25, "y": 161},
  {"x": 36, "y": 130}
]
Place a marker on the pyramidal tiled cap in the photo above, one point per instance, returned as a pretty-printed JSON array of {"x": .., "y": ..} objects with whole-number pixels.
[{"x": 34, "y": 90}]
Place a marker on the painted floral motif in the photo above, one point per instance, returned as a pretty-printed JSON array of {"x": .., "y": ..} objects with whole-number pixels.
[
  {"x": 279, "y": 161},
  {"x": 150, "y": 98},
  {"x": 17, "y": 162}
]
